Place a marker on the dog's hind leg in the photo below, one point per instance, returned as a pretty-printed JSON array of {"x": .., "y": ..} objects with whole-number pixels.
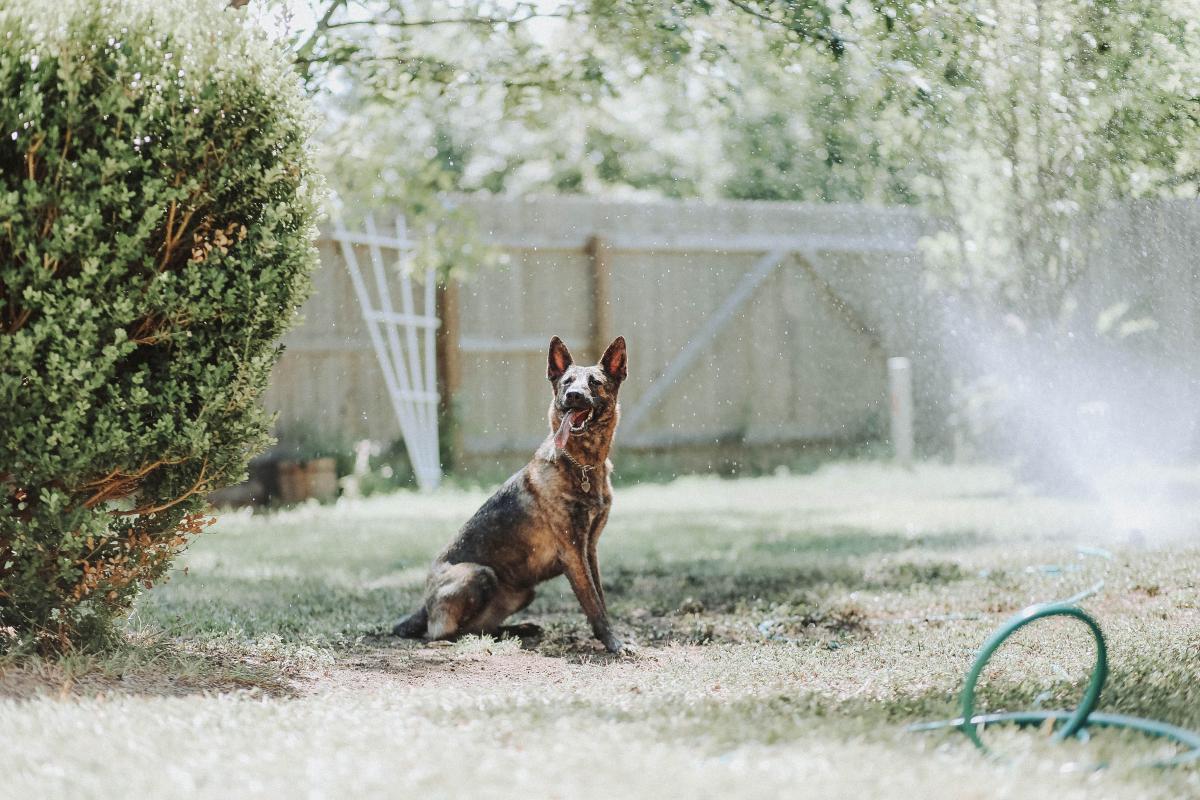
[
  {"x": 505, "y": 602},
  {"x": 414, "y": 625},
  {"x": 459, "y": 595}
]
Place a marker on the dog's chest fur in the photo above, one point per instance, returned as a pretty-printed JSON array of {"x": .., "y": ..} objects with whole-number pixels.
[
  {"x": 561, "y": 499},
  {"x": 522, "y": 530}
]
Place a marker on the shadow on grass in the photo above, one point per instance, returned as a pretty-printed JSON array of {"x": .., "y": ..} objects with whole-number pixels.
[
  {"x": 220, "y": 634},
  {"x": 308, "y": 610},
  {"x": 219, "y": 621},
  {"x": 728, "y": 587},
  {"x": 142, "y": 664},
  {"x": 695, "y": 601},
  {"x": 844, "y": 541}
]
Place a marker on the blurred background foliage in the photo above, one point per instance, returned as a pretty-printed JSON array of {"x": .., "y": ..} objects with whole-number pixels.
[{"x": 1015, "y": 120}]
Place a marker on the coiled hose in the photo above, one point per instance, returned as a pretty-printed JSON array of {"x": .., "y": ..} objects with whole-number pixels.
[{"x": 1067, "y": 723}]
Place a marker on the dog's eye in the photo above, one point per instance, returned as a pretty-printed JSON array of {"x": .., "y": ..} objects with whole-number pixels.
[{"x": 593, "y": 381}]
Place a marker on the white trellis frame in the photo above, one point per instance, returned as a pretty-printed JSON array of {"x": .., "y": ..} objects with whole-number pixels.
[{"x": 403, "y": 341}]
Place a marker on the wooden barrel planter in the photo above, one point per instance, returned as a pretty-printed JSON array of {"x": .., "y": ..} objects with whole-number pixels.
[{"x": 301, "y": 480}]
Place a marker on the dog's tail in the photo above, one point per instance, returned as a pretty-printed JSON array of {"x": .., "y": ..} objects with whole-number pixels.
[{"x": 414, "y": 625}]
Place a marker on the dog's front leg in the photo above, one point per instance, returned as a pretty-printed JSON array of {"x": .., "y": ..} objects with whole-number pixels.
[
  {"x": 580, "y": 577},
  {"x": 592, "y": 560}
]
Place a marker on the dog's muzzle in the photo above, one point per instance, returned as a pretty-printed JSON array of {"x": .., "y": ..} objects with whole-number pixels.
[{"x": 574, "y": 420}]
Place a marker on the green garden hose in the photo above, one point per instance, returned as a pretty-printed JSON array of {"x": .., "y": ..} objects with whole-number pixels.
[{"x": 1066, "y": 723}]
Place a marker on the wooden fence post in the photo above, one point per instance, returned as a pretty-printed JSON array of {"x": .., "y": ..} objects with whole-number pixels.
[
  {"x": 449, "y": 372},
  {"x": 601, "y": 274},
  {"x": 900, "y": 389}
]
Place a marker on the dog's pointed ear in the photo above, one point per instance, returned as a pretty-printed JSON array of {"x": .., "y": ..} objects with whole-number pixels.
[
  {"x": 614, "y": 362},
  {"x": 558, "y": 359}
]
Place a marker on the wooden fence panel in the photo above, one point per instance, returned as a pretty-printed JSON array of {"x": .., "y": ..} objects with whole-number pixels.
[{"x": 788, "y": 365}]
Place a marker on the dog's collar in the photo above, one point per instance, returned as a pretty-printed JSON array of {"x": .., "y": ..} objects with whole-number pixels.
[{"x": 585, "y": 482}]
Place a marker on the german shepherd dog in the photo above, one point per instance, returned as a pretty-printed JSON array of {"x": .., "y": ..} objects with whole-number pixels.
[{"x": 543, "y": 522}]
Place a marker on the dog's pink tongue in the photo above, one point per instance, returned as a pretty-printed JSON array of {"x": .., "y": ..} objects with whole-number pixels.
[{"x": 563, "y": 432}]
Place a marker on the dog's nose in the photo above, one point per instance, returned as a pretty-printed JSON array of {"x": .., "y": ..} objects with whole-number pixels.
[{"x": 576, "y": 398}]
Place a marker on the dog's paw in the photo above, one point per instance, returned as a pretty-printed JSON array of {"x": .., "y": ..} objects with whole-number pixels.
[{"x": 619, "y": 647}]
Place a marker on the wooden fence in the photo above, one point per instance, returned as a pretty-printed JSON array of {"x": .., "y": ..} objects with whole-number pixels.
[{"x": 747, "y": 323}]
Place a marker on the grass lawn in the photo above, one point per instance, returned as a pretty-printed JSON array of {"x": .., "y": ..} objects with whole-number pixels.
[{"x": 788, "y": 628}]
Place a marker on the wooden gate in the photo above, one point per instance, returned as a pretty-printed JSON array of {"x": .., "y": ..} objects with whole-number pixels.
[
  {"x": 749, "y": 325},
  {"x": 737, "y": 336}
]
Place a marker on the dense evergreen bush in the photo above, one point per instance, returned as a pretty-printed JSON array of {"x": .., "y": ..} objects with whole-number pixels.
[{"x": 157, "y": 205}]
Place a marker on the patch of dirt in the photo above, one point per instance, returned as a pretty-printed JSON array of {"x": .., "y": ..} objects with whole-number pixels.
[{"x": 424, "y": 666}]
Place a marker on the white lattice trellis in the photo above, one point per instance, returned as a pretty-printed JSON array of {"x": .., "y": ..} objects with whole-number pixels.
[{"x": 403, "y": 340}]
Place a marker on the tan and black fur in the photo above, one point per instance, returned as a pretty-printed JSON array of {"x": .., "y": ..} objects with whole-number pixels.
[{"x": 542, "y": 522}]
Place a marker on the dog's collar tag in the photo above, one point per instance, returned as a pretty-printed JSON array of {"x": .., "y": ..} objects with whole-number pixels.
[{"x": 585, "y": 482}]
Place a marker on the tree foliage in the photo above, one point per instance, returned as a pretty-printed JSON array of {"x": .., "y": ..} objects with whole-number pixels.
[
  {"x": 1031, "y": 117},
  {"x": 1015, "y": 121}
]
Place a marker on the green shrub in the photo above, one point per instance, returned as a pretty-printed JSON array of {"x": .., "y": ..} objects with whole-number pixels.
[{"x": 157, "y": 206}]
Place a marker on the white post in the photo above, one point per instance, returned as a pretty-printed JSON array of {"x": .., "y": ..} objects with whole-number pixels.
[{"x": 900, "y": 390}]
